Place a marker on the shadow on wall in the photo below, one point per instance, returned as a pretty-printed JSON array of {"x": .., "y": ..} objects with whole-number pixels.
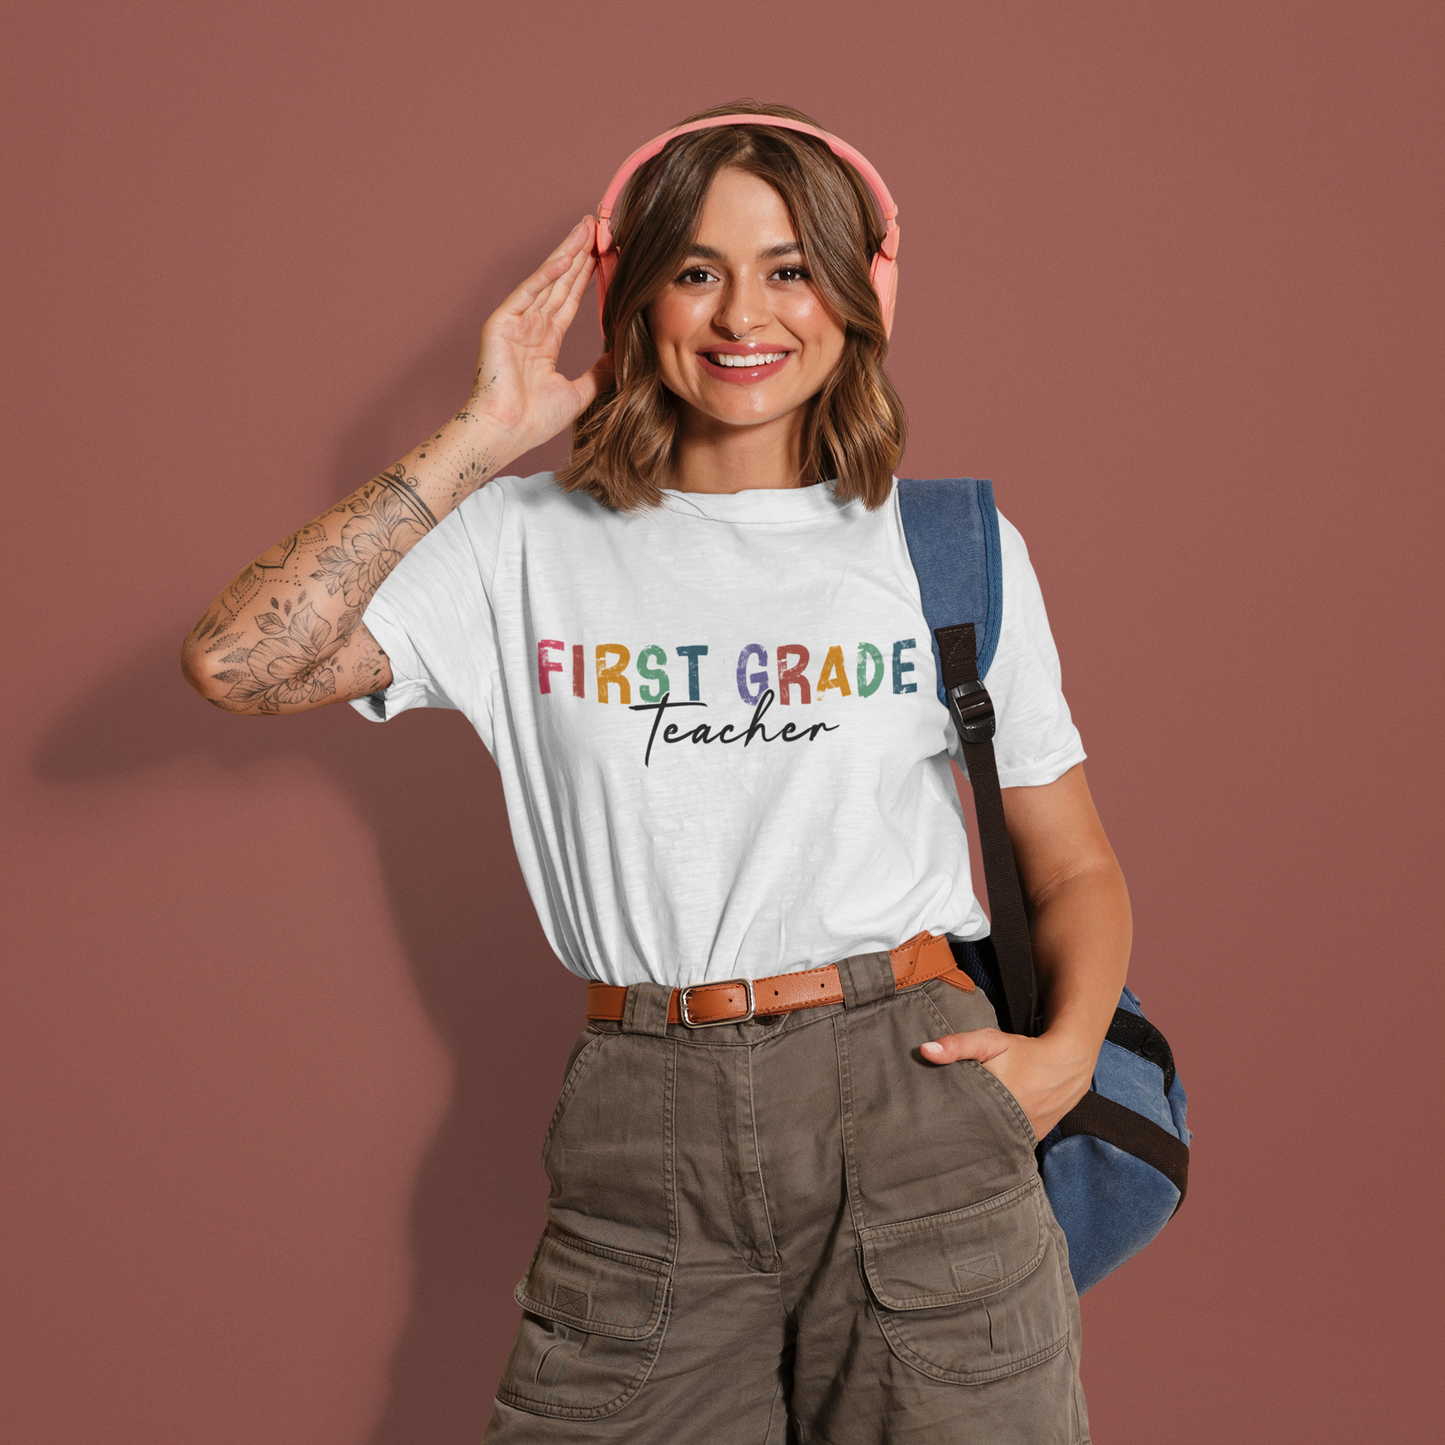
[{"x": 494, "y": 992}]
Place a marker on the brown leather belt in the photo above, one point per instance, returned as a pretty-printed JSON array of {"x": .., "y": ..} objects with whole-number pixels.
[{"x": 701, "y": 1005}]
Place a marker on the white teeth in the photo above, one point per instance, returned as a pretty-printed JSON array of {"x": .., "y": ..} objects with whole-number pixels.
[{"x": 761, "y": 358}]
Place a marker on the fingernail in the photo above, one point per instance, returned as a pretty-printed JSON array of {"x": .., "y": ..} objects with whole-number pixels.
[{"x": 932, "y": 1048}]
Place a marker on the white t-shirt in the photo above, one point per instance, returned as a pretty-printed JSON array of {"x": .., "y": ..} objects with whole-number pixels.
[{"x": 717, "y": 723}]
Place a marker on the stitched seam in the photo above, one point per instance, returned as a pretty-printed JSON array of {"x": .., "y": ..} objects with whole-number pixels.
[
  {"x": 969, "y": 1377},
  {"x": 724, "y": 1092},
  {"x": 955, "y": 1297},
  {"x": 1000, "y": 1089},
  {"x": 669, "y": 1163},
  {"x": 758, "y": 1164},
  {"x": 902, "y": 1228},
  {"x": 845, "y": 1122},
  {"x": 640, "y": 1264},
  {"x": 539, "y": 1405},
  {"x": 643, "y": 1263},
  {"x": 569, "y": 1086},
  {"x": 1005, "y": 1096}
]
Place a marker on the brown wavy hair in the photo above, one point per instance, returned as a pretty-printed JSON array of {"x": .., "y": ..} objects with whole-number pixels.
[{"x": 624, "y": 444}]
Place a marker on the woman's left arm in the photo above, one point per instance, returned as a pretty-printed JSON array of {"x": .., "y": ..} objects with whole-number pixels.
[{"x": 1079, "y": 920}]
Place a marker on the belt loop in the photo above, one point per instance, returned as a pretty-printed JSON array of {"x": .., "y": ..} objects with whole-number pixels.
[
  {"x": 645, "y": 1011},
  {"x": 866, "y": 977}
]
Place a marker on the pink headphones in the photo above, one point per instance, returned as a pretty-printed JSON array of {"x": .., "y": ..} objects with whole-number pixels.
[{"x": 883, "y": 271}]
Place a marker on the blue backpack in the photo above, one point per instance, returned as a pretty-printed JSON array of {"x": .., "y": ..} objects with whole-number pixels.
[{"x": 1116, "y": 1166}]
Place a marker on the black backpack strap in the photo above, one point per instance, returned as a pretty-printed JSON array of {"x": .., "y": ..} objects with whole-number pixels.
[
  {"x": 1131, "y": 1131},
  {"x": 951, "y": 527},
  {"x": 972, "y": 710}
]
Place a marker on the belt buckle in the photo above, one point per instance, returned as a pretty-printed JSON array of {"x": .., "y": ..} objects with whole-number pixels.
[{"x": 692, "y": 1023}]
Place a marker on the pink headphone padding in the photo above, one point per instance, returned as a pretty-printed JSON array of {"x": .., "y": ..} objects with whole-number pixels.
[{"x": 882, "y": 272}]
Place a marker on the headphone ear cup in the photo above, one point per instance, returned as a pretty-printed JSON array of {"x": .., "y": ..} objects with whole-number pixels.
[
  {"x": 884, "y": 275},
  {"x": 606, "y": 267}
]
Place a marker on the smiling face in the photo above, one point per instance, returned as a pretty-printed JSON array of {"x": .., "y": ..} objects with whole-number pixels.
[{"x": 743, "y": 338}]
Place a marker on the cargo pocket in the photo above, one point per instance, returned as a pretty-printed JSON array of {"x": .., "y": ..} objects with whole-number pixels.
[
  {"x": 594, "y": 1325},
  {"x": 973, "y": 1294}
]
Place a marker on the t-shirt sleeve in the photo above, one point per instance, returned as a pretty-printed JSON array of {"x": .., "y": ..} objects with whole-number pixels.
[
  {"x": 432, "y": 617},
  {"x": 1035, "y": 741}
]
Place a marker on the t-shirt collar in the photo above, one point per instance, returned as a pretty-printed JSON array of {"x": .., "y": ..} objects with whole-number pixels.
[{"x": 759, "y": 504}]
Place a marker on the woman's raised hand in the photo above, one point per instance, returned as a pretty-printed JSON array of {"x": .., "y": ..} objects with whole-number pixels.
[
  {"x": 518, "y": 388},
  {"x": 286, "y": 634}
]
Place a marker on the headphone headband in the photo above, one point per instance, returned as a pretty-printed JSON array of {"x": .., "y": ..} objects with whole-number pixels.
[{"x": 882, "y": 272}]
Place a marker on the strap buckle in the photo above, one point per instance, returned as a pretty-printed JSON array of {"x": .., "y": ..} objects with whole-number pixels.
[
  {"x": 745, "y": 983},
  {"x": 972, "y": 710}
]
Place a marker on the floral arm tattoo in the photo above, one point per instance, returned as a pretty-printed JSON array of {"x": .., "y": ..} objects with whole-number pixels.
[{"x": 295, "y": 662}]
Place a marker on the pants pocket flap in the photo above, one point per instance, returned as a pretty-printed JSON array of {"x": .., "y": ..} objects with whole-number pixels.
[
  {"x": 961, "y": 1255},
  {"x": 596, "y": 1289},
  {"x": 975, "y": 1294}
]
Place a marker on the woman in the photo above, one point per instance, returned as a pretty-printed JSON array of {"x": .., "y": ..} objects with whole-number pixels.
[{"x": 753, "y": 1192}]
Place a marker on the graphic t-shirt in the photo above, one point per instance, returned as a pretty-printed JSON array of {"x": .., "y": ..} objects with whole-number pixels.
[{"x": 716, "y": 722}]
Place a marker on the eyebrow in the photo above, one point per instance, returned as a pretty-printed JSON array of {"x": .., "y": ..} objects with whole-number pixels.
[{"x": 784, "y": 248}]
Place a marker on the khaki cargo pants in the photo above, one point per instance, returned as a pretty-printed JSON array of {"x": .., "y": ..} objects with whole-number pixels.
[{"x": 794, "y": 1230}]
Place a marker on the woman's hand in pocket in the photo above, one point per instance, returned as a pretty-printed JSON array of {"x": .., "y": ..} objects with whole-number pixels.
[{"x": 1047, "y": 1075}]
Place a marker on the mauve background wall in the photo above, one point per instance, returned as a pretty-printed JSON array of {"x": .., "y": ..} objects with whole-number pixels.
[{"x": 281, "y": 1033}]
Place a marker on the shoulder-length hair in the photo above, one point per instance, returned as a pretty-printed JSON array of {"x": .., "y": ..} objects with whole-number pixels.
[{"x": 624, "y": 444}]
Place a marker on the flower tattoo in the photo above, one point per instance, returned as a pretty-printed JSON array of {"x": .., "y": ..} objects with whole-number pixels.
[
  {"x": 291, "y": 666},
  {"x": 368, "y": 549},
  {"x": 283, "y": 668}
]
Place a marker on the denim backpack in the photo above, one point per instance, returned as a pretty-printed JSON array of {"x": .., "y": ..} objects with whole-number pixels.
[{"x": 1116, "y": 1166}]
